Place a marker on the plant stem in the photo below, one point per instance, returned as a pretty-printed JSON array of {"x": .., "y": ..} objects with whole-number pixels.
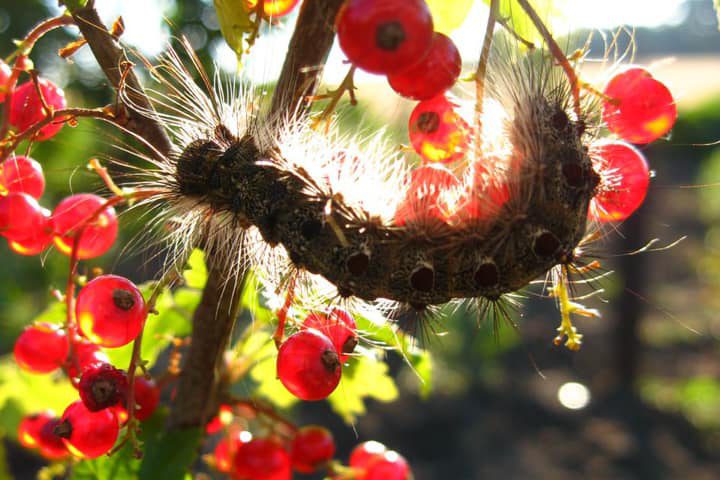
[{"x": 480, "y": 75}]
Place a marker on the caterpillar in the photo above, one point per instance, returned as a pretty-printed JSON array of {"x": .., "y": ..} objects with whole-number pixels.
[{"x": 292, "y": 198}]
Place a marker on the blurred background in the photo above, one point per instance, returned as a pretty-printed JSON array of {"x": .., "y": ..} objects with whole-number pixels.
[{"x": 642, "y": 397}]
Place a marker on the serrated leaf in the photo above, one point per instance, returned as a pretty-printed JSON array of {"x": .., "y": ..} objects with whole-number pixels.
[
  {"x": 550, "y": 11},
  {"x": 169, "y": 455},
  {"x": 196, "y": 274},
  {"x": 448, "y": 16},
  {"x": 362, "y": 378},
  {"x": 234, "y": 24}
]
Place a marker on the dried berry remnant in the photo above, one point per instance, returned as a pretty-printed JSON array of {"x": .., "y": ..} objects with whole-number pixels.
[{"x": 102, "y": 386}]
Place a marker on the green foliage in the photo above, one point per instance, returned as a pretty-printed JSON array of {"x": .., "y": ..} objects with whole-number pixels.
[
  {"x": 235, "y": 24},
  {"x": 447, "y": 16},
  {"x": 550, "y": 11},
  {"x": 169, "y": 455},
  {"x": 196, "y": 273}
]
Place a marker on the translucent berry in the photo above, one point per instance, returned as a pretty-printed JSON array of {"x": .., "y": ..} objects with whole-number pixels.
[
  {"x": 102, "y": 386},
  {"x": 41, "y": 348},
  {"x": 308, "y": 365},
  {"x": 21, "y": 174},
  {"x": 110, "y": 311},
  {"x": 432, "y": 75},
  {"x": 29, "y": 429},
  {"x": 72, "y": 214},
  {"x": 384, "y": 36},
  {"x": 365, "y": 454},
  {"x": 437, "y": 132},
  {"x": 26, "y": 107},
  {"x": 38, "y": 240},
  {"x": 261, "y": 459},
  {"x": 87, "y": 434},
  {"x": 147, "y": 398},
  {"x": 274, "y": 8},
  {"x": 5, "y": 74},
  {"x": 638, "y": 107},
  {"x": 432, "y": 193},
  {"x": 625, "y": 179},
  {"x": 51, "y": 445},
  {"x": 391, "y": 466},
  {"x": 339, "y": 326},
  {"x": 484, "y": 196},
  {"x": 227, "y": 448},
  {"x": 85, "y": 354},
  {"x": 312, "y": 447},
  {"x": 21, "y": 217}
]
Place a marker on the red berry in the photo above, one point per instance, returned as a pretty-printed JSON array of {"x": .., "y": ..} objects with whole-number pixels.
[
  {"x": 338, "y": 326},
  {"x": 227, "y": 448},
  {"x": 312, "y": 447},
  {"x": 26, "y": 107},
  {"x": 221, "y": 420},
  {"x": 5, "y": 74},
  {"x": 73, "y": 213},
  {"x": 87, "y": 434},
  {"x": 85, "y": 354},
  {"x": 21, "y": 217},
  {"x": 429, "y": 196},
  {"x": 21, "y": 174},
  {"x": 639, "y": 108},
  {"x": 437, "y": 132},
  {"x": 29, "y": 429},
  {"x": 484, "y": 197},
  {"x": 274, "y": 8},
  {"x": 102, "y": 386},
  {"x": 391, "y": 466},
  {"x": 41, "y": 348},
  {"x": 625, "y": 178},
  {"x": 110, "y": 311},
  {"x": 308, "y": 365},
  {"x": 384, "y": 36},
  {"x": 261, "y": 459},
  {"x": 147, "y": 398},
  {"x": 38, "y": 240},
  {"x": 363, "y": 455},
  {"x": 432, "y": 75},
  {"x": 51, "y": 446}
]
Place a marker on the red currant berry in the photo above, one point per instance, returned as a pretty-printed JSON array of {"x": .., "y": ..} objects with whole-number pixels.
[
  {"x": 85, "y": 354},
  {"x": 429, "y": 195},
  {"x": 384, "y": 36},
  {"x": 102, "y": 386},
  {"x": 432, "y": 75},
  {"x": 72, "y": 215},
  {"x": 261, "y": 459},
  {"x": 625, "y": 179},
  {"x": 21, "y": 174},
  {"x": 639, "y": 108},
  {"x": 110, "y": 311},
  {"x": 147, "y": 398},
  {"x": 366, "y": 453},
  {"x": 227, "y": 448},
  {"x": 51, "y": 446},
  {"x": 308, "y": 365},
  {"x": 5, "y": 74},
  {"x": 391, "y": 466},
  {"x": 274, "y": 8},
  {"x": 29, "y": 429},
  {"x": 87, "y": 434},
  {"x": 26, "y": 107},
  {"x": 484, "y": 197},
  {"x": 21, "y": 217},
  {"x": 339, "y": 327},
  {"x": 41, "y": 348},
  {"x": 39, "y": 239},
  {"x": 221, "y": 420},
  {"x": 312, "y": 447},
  {"x": 437, "y": 132}
]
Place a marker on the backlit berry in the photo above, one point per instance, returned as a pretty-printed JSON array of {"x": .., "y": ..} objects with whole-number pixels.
[
  {"x": 85, "y": 354},
  {"x": 147, "y": 398},
  {"x": 223, "y": 418},
  {"x": 366, "y": 453},
  {"x": 21, "y": 174},
  {"x": 339, "y": 326},
  {"x": 437, "y": 132},
  {"x": 110, "y": 311},
  {"x": 26, "y": 107},
  {"x": 274, "y": 8},
  {"x": 21, "y": 217},
  {"x": 5, "y": 74},
  {"x": 432, "y": 75},
  {"x": 391, "y": 466},
  {"x": 72, "y": 216},
  {"x": 227, "y": 448},
  {"x": 51, "y": 445},
  {"x": 261, "y": 459},
  {"x": 432, "y": 193},
  {"x": 483, "y": 197},
  {"x": 384, "y": 36},
  {"x": 308, "y": 365},
  {"x": 102, "y": 386},
  {"x": 639, "y": 108},
  {"x": 312, "y": 447},
  {"x": 625, "y": 179},
  {"x": 41, "y": 348},
  {"x": 87, "y": 434},
  {"x": 29, "y": 429}
]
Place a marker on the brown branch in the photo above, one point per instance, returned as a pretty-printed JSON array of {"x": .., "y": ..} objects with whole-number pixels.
[{"x": 112, "y": 59}]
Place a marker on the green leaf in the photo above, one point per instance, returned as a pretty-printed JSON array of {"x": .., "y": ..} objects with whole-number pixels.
[
  {"x": 550, "y": 11},
  {"x": 196, "y": 274},
  {"x": 362, "y": 378},
  {"x": 169, "y": 455},
  {"x": 4, "y": 472},
  {"x": 234, "y": 23},
  {"x": 447, "y": 16},
  {"x": 264, "y": 373},
  {"x": 56, "y": 312},
  {"x": 421, "y": 362}
]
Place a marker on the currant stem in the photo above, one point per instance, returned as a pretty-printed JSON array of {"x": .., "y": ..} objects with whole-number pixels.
[{"x": 347, "y": 85}]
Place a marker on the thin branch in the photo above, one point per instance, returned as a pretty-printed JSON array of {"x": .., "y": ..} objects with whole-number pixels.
[{"x": 481, "y": 72}]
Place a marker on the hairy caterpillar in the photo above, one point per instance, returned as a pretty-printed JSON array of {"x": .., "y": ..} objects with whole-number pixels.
[{"x": 292, "y": 198}]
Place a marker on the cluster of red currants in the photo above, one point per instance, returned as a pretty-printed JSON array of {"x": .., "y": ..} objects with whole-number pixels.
[
  {"x": 111, "y": 313},
  {"x": 309, "y": 362}
]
